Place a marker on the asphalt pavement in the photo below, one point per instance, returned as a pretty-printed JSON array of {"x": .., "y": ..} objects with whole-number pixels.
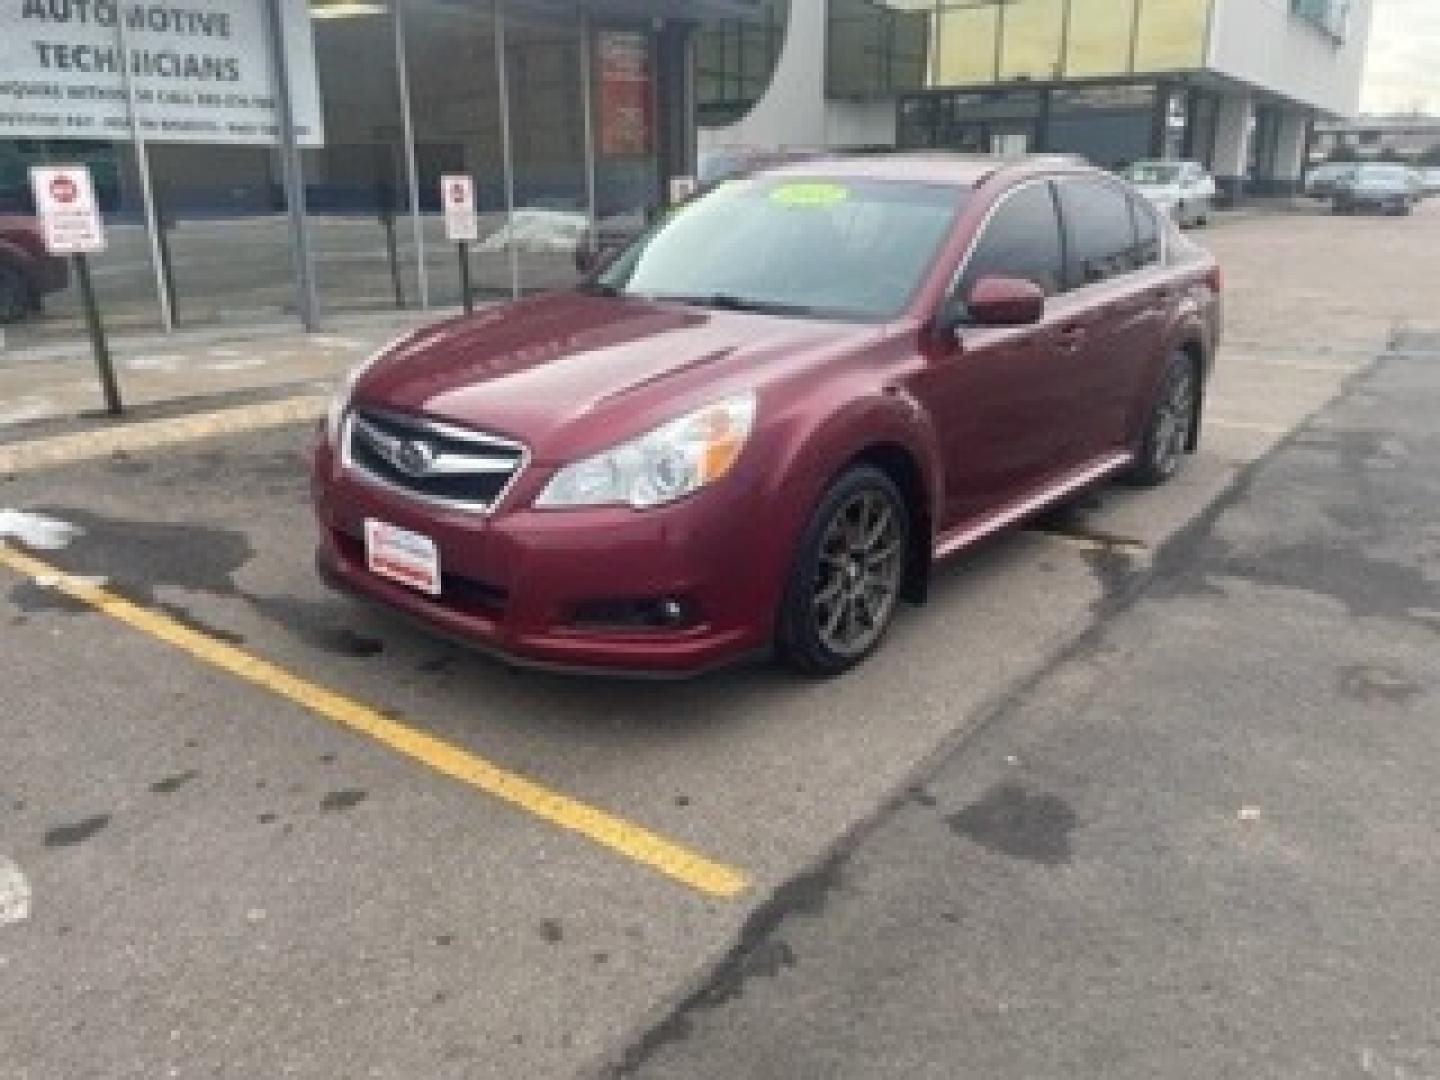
[
  {"x": 252, "y": 829},
  {"x": 1201, "y": 845}
]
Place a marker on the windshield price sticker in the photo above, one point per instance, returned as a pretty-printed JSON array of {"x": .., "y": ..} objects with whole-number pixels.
[{"x": 809, "y": 193}]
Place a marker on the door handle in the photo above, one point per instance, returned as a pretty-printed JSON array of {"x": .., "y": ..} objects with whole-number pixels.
[{"x": 1072, "y": 336}]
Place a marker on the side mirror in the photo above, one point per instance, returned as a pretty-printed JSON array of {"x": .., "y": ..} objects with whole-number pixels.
[
  {"x": 1005, "y": 301},
  {"x": 593, "y": 254}
]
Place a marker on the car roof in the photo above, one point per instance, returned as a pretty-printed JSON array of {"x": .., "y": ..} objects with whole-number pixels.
[{"x": 929, "y": 167}]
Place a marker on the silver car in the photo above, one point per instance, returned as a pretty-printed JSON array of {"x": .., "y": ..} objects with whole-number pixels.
[
  {"x": 1182, "y": 190},
  {"x": 1381, "y": 186}
]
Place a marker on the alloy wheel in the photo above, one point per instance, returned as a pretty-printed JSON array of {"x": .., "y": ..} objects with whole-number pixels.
[
  {"x": 1174, "y": 421},
  {"x": 861, "y": 560}
]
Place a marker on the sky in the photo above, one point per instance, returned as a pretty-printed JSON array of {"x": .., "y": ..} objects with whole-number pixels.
[{"x": 1404, "y": 63}]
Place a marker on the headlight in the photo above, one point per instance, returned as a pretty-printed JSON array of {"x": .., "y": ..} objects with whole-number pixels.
[
  {"x": 340, "y": 401},
  {"x": 661, "y": 466}
]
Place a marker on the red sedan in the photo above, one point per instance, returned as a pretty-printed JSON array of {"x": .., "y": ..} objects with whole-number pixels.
[
  {"x": 760, "y": 425},
  {"x": 27, "y": 272}
]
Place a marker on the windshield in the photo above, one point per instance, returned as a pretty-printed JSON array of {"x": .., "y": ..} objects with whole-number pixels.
[
  {"x": 1383, "y": 176},
  {"x": 1152, "y": 174},
  {"x": 848, "y": 249}
]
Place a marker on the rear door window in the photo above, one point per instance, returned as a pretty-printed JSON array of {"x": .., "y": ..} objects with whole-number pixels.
[
  {"x": 1147, "y": 233},
  {"x": 1021, "y": 240},
  {"x": 1099, "y": 231}
]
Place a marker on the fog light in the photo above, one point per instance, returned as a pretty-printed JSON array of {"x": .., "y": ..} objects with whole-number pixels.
[{"x": 650, "y": 613}]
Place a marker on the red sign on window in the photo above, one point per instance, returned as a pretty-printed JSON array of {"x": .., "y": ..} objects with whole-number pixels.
[{"x": 624, "y": 66}]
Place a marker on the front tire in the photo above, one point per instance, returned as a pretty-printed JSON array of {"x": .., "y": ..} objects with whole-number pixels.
[
  {"x": 847, "y": 574},
  {"x": 1170, "y": 431}
]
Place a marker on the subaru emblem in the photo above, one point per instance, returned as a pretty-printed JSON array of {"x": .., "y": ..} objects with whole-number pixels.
[{"x": 415, "y": 456}]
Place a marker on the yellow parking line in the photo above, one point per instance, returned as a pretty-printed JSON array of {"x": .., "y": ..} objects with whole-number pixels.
[
  {"x": 148, "y": 434},
  {"x": 622, "y": 837}
]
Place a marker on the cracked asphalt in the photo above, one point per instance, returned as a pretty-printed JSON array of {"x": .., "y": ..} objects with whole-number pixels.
[{"x": 1143, "y": 790}]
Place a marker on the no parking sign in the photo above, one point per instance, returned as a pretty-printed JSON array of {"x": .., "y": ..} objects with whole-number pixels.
[
  {"x": 65, "y": 203},
  {"x": 457, "y": 196}
]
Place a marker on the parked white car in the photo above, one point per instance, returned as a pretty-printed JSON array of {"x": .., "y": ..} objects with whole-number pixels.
[
  {"x": 1326, "y": 179},
  {"x": 1181, "y": 189},
  {"x": 1429, "y": 179}
]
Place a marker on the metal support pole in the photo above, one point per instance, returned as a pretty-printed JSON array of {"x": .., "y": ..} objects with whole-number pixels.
[
  {"x": 159, "y": 251},
  {"x": 412, "y": 171},
  {"x": 467, "y": 298},
  {"x": 97, "y": 336},
  {"x": 509, "y": 155},
  {"x": 292, "y": 172},
  {"x": 587, "y": 48}
]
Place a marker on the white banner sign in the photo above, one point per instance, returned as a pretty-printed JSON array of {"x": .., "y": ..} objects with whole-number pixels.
[
  {"x": 65, "y": 202},
  {"x": 200, "y": 71},
  {"x": 457, "y": 195}
]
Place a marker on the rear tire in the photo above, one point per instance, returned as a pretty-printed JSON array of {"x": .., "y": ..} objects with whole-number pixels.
[
  {"x": 1171, "y": 428},
  {"x": 16, "y": 300},
  {"x": 847, "y": 575}
]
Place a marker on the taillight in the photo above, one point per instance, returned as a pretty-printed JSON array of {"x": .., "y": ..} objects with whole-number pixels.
[{"x": 1215, "y": 279}]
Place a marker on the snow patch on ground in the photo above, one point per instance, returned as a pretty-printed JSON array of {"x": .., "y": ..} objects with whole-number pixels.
[
  {"x": 37, "y": 531},
  {"x": 14, "y": 893},
  {"x": 30, "y": 407}
]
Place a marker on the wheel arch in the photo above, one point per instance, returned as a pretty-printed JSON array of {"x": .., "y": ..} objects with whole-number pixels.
[
  {"x": 1193, "y": 349},
  {"x": 899, "y": 463}
]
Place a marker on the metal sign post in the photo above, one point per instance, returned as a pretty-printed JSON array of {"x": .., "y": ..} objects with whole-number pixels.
[
  {"x": 70, "y": 225},
  {"x": 103, "y": 362},
  {"x": 462, "y": 227}
]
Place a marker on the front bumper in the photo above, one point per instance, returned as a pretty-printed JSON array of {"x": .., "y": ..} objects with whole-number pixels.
[{"x": 515, "y": 580}]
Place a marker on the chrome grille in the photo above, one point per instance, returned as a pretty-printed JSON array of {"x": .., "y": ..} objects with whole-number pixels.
[{"x": 435, "y": 462}]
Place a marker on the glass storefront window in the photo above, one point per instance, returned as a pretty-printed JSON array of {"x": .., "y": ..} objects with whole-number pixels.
[
  {"x": 224, "y": 232},
  {"x": 1100, "y": 35},
  {"x": 1032, "y": 37},
  {"x": 1171, "y": 35},
  {"x": 1109, "y": 126},
  {"x": 455, "y": 110},
  {"x": 357, "y": 186},
  {"x": 965, "y": 50},
  {"x": 627, "y": 170},
  {"x": 877, "y": 47},
  {"x": 734, "y": 61},
  {"x": 547, "y": 135}
]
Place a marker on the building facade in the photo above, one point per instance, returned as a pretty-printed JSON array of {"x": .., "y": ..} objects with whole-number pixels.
[
  {"x": 1404, "y": 138},
  {"x": 279, "y": 161},
  {"x": 1235, "y": 84}
]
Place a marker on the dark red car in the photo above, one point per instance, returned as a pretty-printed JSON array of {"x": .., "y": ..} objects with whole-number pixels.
[
  {"x": 27, "y": 272},
  {"x": 759, "y": 426}
]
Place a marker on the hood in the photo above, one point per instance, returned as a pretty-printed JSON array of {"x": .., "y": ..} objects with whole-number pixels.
[
  {"x": 1159, "y": 192},
  {"x": 540, "y": 367}
]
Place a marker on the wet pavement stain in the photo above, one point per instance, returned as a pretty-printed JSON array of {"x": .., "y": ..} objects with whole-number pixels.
[
  {"x": 172, "y": 784},
  {"x": 200, "y": 626},
  {"x": 125, "y": 466},
  {"x": 318, "y": 624},
  {"x": 1009, "y": 820},
  {"x": 138, "y": 557},
  {"x": 436, "y": 665},
  {"x": 1374, "y": 683},
  {"x": 344, "y": 799},
  {"x": 77, "y": 833}
]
